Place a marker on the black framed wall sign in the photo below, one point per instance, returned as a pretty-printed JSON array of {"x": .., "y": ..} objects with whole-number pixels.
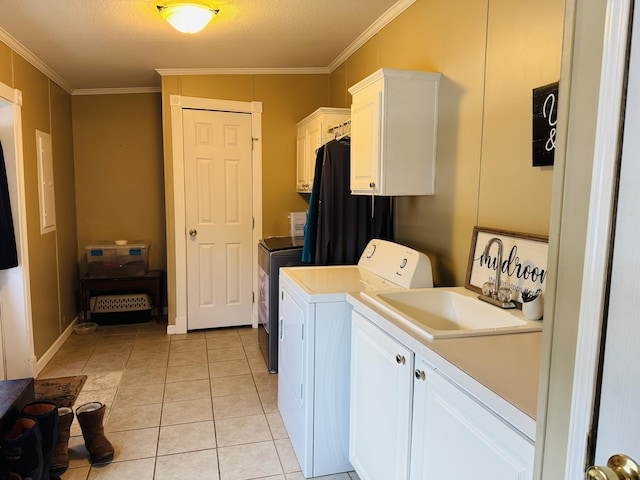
[{"x": 545, "y": 118}]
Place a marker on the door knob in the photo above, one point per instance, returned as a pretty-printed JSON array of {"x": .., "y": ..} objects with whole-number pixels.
[
  {"x": 193, "y": 232},
  {"x": 619, "y": 467}
]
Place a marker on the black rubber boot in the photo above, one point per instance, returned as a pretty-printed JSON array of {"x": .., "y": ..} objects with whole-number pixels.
[
  {"x": 21, "y": 450},
  {"x": 46, "y": 414}
]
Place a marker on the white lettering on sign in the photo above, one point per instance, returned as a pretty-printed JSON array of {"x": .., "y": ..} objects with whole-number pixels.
[{"x": 549, "y": 112}]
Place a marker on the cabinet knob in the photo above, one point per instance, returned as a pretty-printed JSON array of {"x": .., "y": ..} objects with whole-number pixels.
[
  {"x": 372, "y": 185},
  {"x": 400, "y": 360},
  {"x": 420, "y": 375}
]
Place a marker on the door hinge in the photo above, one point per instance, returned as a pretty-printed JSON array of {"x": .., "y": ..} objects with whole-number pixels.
[
  {"x": 253, "y": 223},
  {"x": 253, "y": 297},
  {"x": 253, "y": 141},
  {"x": 303, "y": 331}
]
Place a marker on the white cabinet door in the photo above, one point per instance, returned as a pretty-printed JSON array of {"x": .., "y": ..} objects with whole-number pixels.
[
  {"x": 380, "y": 408},
  {"x": 309, "y": 138},
  {"x": 455, "y": 437},
  {"x": 365, "y": 142},
  {"x": 302, "y": 164}
]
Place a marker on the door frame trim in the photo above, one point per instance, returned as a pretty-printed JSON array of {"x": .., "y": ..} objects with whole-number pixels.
[
  {"x": 598, "y": 235},
  {"x": 177, "y": 104},
  {"x": 16, "y": 323}
]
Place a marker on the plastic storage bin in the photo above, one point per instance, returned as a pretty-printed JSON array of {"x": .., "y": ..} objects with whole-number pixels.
[{"x": 106, "y": 259}]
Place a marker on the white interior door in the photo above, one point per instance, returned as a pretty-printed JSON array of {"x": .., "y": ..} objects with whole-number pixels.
[
  {"x": 219, "y": 217},
  {"x": 618, "y": 418}
]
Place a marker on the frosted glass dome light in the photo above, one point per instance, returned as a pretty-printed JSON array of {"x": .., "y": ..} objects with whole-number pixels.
[{"x": 187, "y": 17}]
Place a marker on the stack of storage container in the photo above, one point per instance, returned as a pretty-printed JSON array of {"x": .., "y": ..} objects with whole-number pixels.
[{"x": 115, "y": 260}]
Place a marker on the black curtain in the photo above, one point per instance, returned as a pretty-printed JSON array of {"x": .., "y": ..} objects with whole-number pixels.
[
  {"x": 8, "y": 252},
  {"x": 340, "y": 224}
]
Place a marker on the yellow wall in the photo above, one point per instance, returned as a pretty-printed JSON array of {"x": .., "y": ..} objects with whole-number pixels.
[
  {"x": 67, "y": 229},
  {"x": 523, "y": 52},
  {"x": 119, "y": 173},
  {"x": 6, "y": 70},
  {"x": 491, "y": 54},
  {"x": 52, "y": 256}
]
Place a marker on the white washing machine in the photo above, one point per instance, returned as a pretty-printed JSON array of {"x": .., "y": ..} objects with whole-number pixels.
[{"x": 314, "y": 347}]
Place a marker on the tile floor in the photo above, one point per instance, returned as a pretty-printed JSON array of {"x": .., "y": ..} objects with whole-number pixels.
[{"x": 196, "y": 406}]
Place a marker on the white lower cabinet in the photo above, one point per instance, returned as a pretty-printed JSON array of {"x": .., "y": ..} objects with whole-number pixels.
[
  {"x": 380, "y": 406},
  {"x": 410, "y": 422}
]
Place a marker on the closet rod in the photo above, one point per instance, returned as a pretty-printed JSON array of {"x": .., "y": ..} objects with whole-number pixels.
[
  {"x": 339, "y": 126},
  {"x": 340, "y": 130}
]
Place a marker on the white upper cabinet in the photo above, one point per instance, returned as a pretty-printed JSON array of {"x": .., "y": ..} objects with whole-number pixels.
[
  {"x": 313, "y": 132},
  {"x": 394, "y": 116}
]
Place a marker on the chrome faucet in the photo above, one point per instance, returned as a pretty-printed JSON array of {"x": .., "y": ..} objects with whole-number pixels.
[
  {"x": 494, "y": 296},
  {"x": 485, "y": 254}
]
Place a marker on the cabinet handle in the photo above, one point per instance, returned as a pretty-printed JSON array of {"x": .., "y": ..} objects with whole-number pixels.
[
  {"x": 420, "y": 375},
  {"x": 400, "y": 360}
]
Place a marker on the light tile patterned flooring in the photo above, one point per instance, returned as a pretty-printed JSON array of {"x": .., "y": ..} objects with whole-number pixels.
[{"x": 196, "y": 406}]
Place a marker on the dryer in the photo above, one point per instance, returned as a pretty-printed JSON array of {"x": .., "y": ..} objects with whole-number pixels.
[{"x": 314, "y": 347}]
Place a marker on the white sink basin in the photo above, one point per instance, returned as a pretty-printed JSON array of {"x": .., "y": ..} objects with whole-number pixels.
[{"x": 450, "y": 312}]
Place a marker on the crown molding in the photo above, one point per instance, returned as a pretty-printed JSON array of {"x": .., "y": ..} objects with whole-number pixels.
[
  {"x": 21, "y": 50},
  {"x": 386, "y": 18},
  {"x": 115, "y": 91},
  {"x": 243, "y": 71}
]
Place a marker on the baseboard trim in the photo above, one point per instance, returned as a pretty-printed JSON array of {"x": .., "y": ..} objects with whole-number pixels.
[{"x": 53, "y": 349}]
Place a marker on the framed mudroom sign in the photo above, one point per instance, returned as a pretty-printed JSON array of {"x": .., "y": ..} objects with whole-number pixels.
[{"x": 523, "y": 265}]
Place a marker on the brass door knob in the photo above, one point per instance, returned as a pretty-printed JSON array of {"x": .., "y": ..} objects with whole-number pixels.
[
  {"x": 193, "y": 232},
  {"x": 619, "y": 467}
]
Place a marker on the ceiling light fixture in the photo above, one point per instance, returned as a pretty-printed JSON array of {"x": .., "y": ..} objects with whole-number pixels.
[{"x": 187, "y": 17}]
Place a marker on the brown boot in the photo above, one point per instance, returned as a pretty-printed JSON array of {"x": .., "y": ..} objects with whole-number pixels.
[
  {"x": 90, "y": 416},
  {"x": 60, "y": 460}
]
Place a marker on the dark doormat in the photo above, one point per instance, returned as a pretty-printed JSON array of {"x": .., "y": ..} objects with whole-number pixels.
[{"x": 62, "y": 391}]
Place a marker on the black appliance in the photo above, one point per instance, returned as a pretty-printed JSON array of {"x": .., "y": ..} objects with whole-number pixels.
[{"x": 273, "y": 253}]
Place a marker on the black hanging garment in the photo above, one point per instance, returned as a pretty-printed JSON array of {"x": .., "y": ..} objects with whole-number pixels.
[
  {"x": 344, "y": 221},
  {"x": 8, "y": 252},
  {"x": 311, "y": 227}
]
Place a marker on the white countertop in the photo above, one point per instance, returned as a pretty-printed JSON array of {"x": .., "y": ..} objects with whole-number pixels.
[{"x": 501, "y": 371}]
